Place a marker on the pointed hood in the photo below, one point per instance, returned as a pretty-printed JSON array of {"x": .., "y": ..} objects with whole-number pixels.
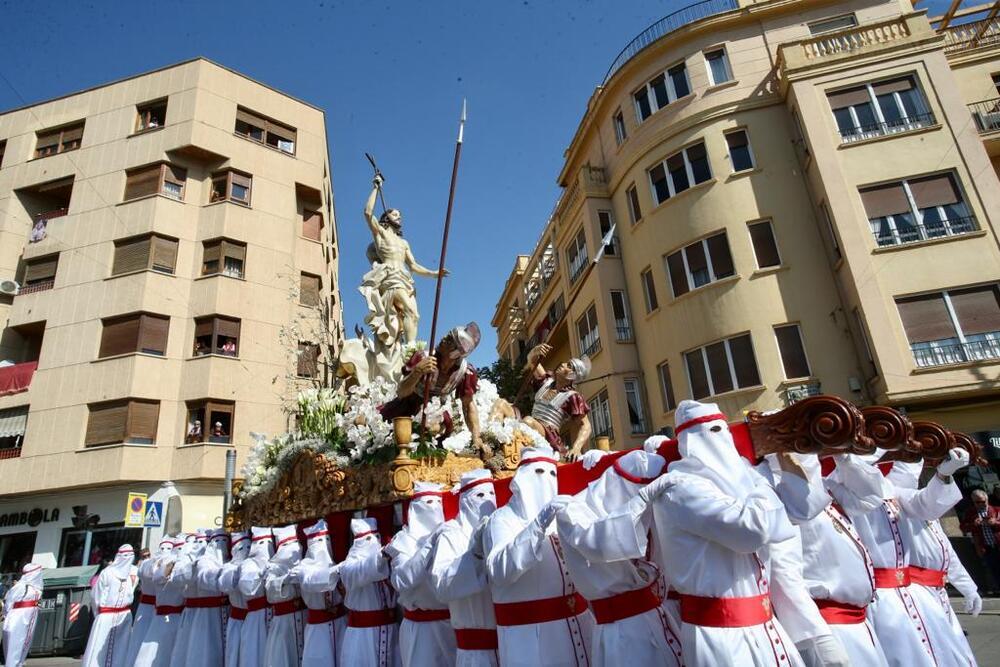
[
  {"x": 707, "y": 449},
  {"x": 239, "y": 546},
  {"x": 621, "y": 482},
  {"x": 426, "y": 510},
  {"x": 534, "y": 484},
  {"x": 217, "y": 549},
  {"x": 318, "y": 547},
  {"x": 31, "y": 575},
  {"x": 261, "y": 546},
  {"x": 366, "y": 538},
  {"x": 122, "y": 564},
  {"x": 906, "y": 475},
  {"x": 477, "y": 497},
  {"x": 288, "y": 549}
]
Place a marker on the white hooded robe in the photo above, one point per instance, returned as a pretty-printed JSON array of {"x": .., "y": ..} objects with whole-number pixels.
[
  {"x": 206, "y": 608},
  {"x": 253, "y": 632},
  {"x": 317, "y": 577},
  {"x": 158, "y": 644},
  {"x": 285, "y": 637},
  {"x": 20, "y": 611},
  {"x": 108, "y": 644},
  {"x": 146, "y": 611},
  {"x": 229, "y": 575},
  {"x": 365, "y": 574}
]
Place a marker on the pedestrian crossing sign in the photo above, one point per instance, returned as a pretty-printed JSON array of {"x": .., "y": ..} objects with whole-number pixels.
[{"x": 154, "y": 514}]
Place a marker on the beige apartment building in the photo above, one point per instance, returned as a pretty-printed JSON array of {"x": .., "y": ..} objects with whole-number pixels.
[
  {"x": 805, "y": 199},
  {"x": 168, "y": 269}
]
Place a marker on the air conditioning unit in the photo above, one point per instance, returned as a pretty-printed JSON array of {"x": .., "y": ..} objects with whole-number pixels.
[{"x": 9, "y": 287}]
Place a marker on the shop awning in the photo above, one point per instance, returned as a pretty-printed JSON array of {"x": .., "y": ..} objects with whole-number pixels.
[
  {"x": 13, "y": 421},
  {"x": 63, "y": 577}
]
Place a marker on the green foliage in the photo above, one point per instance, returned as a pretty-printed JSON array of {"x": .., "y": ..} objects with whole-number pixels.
[{"x": 507, "y": 377}]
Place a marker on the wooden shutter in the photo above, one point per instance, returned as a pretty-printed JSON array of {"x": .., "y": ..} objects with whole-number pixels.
[
  {"x": 131, "y": 255},
  {"x": 204, "y": 327},
  {"x": 848, "y": 98},
  {"x": 212, "y": 253},
  {"x": 119, "y": 336},
  {"x": 228, "y": 327},
  {"x": 977, "y": 309},
  {"x": 164, "y": 253},
  {"x": 678, "y": 277},
  {"x": 793, "y": 355},
  {"x": 937, "y": 190},
  {"x": 883, "y": 200},
  {"x": 718, "y": 367},
  {"x": 281, "y": 131},
  {"x": 106, "y": 424},
  {"x": 925, "y": 318},
  {"x": 722, "y": 261},
  {"x": 893, "y": 86},
  {"x": 234, "y": 250},
  {"x": 153, "y": 334},
  {"x": 46, "y": 140},
  {"x": 250, "y": 119},
  {"x": 142, "y": 420},
  {"x": 43, "y": 268},
  {"x": 764, "y": 246},
  {"x": 142, "y": 182},
  {"x": 309, "y": 290},
  {"x": 241, "y": 179},
  {"x": 71, "y": 134},
  {"x": 308, "y": 360},
  {"x": 176, "y": 175},
  {"x": 696, "y": 374},
  {"x": 744, "y": 362},
  {"x": 312, "y": 224}
]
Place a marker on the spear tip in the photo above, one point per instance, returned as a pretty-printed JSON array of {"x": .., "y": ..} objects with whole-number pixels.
[{"x": 461, "y": 123}]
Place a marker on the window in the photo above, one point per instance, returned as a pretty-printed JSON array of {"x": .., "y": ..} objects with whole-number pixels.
[
  {"x": 699, "y": 264},
  {"x": 606, "y": 222},
  {"x": 151, "y": 115},
  {"x": 765, "y": 248},
  {"x": 952, "y": 327},
  {"x": 266, "y": 131},
  {"x": 216, "y": 335},
  {"x": 634, "y": 210},
  {"x": 3, "y": 149},
  {"x": 231, "y": 186},
  {"x": 666, "y": 387},
  {"x": 223, "y": 257},
  {"x": 312, "y": 225},
  {"x": 721, "y": 367},
  {"x": 17, "y": 550},
  {"x": 146, "y": 252},
  {"x": 13, "y": 423},
  {"x": 59, "y": 140},
  {"x": 600, "y": 415},
  {"x": 831, "y": 24},
  {"x": 40, "y": 274},
  {"x": 835, "y": 253},
  {"x": 679, "y": 172},
  {"x": 636, "y": 412},
  {"x": 793, "y": 352},
  {"x": 307, "y": 360},
  {"x": 620, "y": 133},
  {"x": 576, "y": 255},
  {"x": 309, "y": 288},
  {"x": 134, "y": 333},
  {"x": 162, "y": 178},
  {"x": 209, "y": 421},
  {"x": 623, "y": 323},
  {"x": 740, "y": 154},
  {"x": 877, "y": 109},
  {"x": 93, "y": 546},
  {"x": 863, "y": 332},
  {"x": 718, "y": 67},
  {"x": 129, "y": 421},
  {"x": 661, "y": 91},
  {"x": 917, "y": 209},
  {"x": 589, "y": 334},
  {"x": 649, "y": 290}
]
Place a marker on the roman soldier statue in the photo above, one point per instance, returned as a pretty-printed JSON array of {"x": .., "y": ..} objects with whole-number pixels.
[{"x": 557, "y": 401}]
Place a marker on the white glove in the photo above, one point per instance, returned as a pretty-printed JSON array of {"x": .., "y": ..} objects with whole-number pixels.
[
  {"x": 957, "y": 459},
  {"x": 591, "y": 457},
  {"x": 973, "y": 604},
  {"x": 656, "y": 488},
  {"x": 552, "y": 508},
  {"x": 294, "y": 576},
  {"x": 653, "y": 442},
  {"x": 823, "y": 651}
]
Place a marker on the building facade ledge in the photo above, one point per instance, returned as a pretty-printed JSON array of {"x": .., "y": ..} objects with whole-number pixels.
[
  {"x": 226, "y": 201},
  {"x": 213, "y": 355},
  {"x": 978, "y": 234},
  {"x": 924, "y": 370},
  {"x": 139, "y": 271},
  {"x": 736, "y": 175},
  {"x": 734, "y": 392},
  {"x": 190, "y": 445},
  {"x": 150, "y": 196},
  {"x": 220, "y": 275},
  {"x": 771, "y": 270},
  {"x": 890, "y": 135},
  {"x": 129, "y": 354},
  {"x": 148, "y": 130},
  {"x": 720, "y": 86},
  {"x": 114, "y": 445}
]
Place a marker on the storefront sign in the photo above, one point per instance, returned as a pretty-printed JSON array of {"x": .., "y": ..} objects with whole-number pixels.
[
  {"x": 135, "y": 510},
  {"x": 33, "y": 517}
]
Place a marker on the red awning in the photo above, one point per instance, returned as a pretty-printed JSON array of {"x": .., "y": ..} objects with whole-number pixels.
[{"x": 17, "y": 378}]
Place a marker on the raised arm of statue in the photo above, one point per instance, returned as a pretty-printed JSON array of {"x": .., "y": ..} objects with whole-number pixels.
[
  {"x": 419, "y": 269},
  {"x": 533, "y": 364},
  {"x": 370, "y": 207}
]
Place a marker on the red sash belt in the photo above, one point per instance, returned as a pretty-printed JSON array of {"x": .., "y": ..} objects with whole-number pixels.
[
  {"x": 426, "y": 615},
  {"x": 288, "y": 607},
  {"x": 112, "y": 610},
  {"x": 927, "y": 577},
  {"x": 321, "y": 616},
  {"x": 256, "y": 604},
  {"x": 370, "y": 619},
  {"x": 213, "y": 602},
  {"x": 673, "y": 595},
  {"x": 167, "y": 610},
  {"x": 476, "y": 639},
  {"x": 891, "y": 577},
  {"x": 725, "y": 612},
  {"x": 238, "y": 613},
  {"x": 147, "y": 599},
  {"x": 25, "y": 604},
  {"x": 624, "y": 605},
  {"x": 531, "y": 612},
  {"x": 840, "y": 613}
]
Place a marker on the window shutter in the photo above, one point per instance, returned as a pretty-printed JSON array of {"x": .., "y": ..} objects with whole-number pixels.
[
  {"x": 249, "y": 118},
  {"x": 722, "y": 261},
  {"x": 205, "y": 327},
  {"x": 744, "y": 362},
  {"x": 793, "y": 355},
  {"x": 925, "y": 318},
  {"x": 164, "y": 253},
  {"x": 883, "y": 200},
  {"x": 234, "y": 250},
  {"x": 43, "y": 268},
  {"x": 119, "y": 337},
  {"x": 212, "y": 253},
  {"x": 848, "y": 98},
  {"x": 718, "y": 367},
  {"x": 240, "y": 179},
  {"x": 153, "y": 334},
  {"x": 893, "y": 86},
  {"x": 652, "y": 303},
  {"x": 46, "y": 140},
  {"x": 678, "y": 278},
  {"x": 309, "y": 290},
  {"x": 308, "y": 359},
  {"x": 764, "y": 247},
  {"x": 142, "y": 182},
  {"x": 977, "y": 309},
  {"x": 737, "y": 139},
  {"x": 74, "y": 133},
  {"x": 937, "y": 190},
  {"x": 280, "y": 131},
  {"x": 131, "y": 255},
  {"x": 312, "y": 223},
  {"x": 228, "y": 327},
  {"x": 666, "y": 388},
  {"x": 696, "y": 374},
  {"x": 106, "y": 424},
  {"x": 142, "y": 419}
]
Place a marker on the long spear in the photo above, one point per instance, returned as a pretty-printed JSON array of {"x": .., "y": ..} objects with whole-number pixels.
[{"x": 444, "y": 252}]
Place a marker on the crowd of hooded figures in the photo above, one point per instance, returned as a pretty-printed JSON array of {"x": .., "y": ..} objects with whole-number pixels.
[{"x": 678, "y": 553}]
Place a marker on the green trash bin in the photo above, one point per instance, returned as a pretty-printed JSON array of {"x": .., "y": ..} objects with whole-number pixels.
[{"x": 64, "y": 612}]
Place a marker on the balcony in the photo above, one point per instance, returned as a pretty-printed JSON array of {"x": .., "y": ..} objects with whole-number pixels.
[
  {"x": 885, "y": 128},
  {"x": 987, "y": 115},
  {"x": 16, "y": 378},
  {"x": 590, "y": 345},
  {"x": 887, "y": 237},
  {"x": 950, "y": 351},
  {"x": 39, "y": 286},
  {"x": 576, "y": 267},
  {"x": 971, "y": 35},
  {"x": 796, "y": 392},
  {"x": 623, "y": 330}
]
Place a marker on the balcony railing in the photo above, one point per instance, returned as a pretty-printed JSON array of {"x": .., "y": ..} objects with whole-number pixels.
[
  {"x": 623, "y": 329},
  {"x": 591, "y": 345},
  {"x": 576, "y": 266},
  {"x": 861, "y": 40},
  {"x": 952, "y": 351},
  {"x": 972, "y": 35},
  {"x": 987, "y": 115},
  {"x": 10, "y": 453},
  {"x": 922, "y": 232},
  {"x": 905, "y": 124},
  {"x": 39, "y": 286},
  {"x": 797, "y": 392}
]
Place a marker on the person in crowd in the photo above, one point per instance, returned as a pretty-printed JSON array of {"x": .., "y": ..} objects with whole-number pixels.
[
  {"x": 458, "y": 573},
  {"x": 982, "y": 522},
  {"x": 108, "y": 644},
  {"x": 183, "y": 576},
  {"x": 253, "y": 570},
  {"x": 425, "y": 636},
  {"x": 285, "y": 637},
  {"x": 557, "y": 401},
  {"x": 541, "y": 618},
  {"x": 20, "y": 612},
  {"x": 326, "y": 616},
  {"x": 205, "y": 606},
  {"x": 147, "y": 597},
  {"x": 229, "y": 577},
  {"x": 158, "y": 643},
  {"x": 371, "y": 639}
]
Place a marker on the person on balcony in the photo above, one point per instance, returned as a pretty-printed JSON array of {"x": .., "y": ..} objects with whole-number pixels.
[
  {"x": 194, "y": 433},
  {"x": 228, "y": 347},
  {"x": 108, "y": 643},
  {"x": 557, "y": 401},
  {"x": 20, "y": 611}
]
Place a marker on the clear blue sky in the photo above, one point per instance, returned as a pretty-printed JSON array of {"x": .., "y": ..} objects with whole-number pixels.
[{"x": 391, "y": 77}]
